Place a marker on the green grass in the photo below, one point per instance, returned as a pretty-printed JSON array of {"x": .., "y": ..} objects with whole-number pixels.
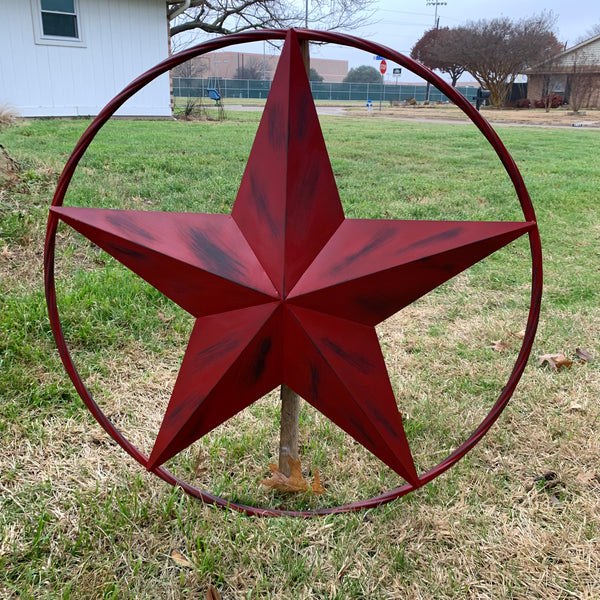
[{"x": 79, "y": 519}]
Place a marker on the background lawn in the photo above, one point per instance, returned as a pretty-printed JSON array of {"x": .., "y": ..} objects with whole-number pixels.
[{"x": 517, "y": 518}]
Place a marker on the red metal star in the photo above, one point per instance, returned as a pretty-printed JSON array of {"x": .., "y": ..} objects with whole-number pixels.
[{"x": 286, "y": 289}]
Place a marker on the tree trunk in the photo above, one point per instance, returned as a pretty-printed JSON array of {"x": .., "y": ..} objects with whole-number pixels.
[{"x": 290, "y": 401}]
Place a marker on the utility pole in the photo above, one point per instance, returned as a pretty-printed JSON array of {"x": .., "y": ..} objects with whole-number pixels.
[{"x": 436, "y": 25}]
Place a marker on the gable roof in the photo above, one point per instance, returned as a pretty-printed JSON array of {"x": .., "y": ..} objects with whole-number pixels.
[{"x": 586, "y": 52}]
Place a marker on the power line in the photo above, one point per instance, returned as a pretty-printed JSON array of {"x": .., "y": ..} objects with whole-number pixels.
[{"x": 436, "y": 3}]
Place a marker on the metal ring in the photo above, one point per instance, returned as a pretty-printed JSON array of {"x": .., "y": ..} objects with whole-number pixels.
[{"x": 318, "y": 36}]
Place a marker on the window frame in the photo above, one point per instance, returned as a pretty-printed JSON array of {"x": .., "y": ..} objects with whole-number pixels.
[{"x": 56, "y": 40}]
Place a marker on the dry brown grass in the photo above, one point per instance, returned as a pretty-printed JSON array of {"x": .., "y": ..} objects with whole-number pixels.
[
  {"x": 82, "y": 520},
  {"x": 8, "y": 115},
  {"x": 486, "y": 530},
  {"x": 556, "y": 117}
]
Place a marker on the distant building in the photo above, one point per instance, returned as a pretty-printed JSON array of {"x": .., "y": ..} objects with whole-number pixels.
[
  {"x": 261, "y": 66},
  {"x": 567, "y": 73}
]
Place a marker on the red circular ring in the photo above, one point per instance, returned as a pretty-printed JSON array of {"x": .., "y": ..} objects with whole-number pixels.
[{"x": 327, "y": 37}]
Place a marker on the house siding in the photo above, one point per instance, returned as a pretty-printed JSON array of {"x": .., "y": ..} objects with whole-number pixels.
[
  {"x": 120, "y": 40},
  {"x": 590, "y": 54}
]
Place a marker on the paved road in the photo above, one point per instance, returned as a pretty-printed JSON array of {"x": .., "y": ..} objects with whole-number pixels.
[
  {"x": 337, "y": 111},
  {"x": 340, "y": 111}
]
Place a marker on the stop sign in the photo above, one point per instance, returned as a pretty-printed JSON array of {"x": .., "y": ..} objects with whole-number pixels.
[{"x": 383, "y": 66}]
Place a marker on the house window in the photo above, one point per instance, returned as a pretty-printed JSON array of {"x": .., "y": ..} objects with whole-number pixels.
[
  {"x": 59, "y": 18},
  {"x": 57, "y": 22}
]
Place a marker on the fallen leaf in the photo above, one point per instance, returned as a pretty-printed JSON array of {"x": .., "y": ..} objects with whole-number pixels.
[
  {"x": 295, "y": 482},
  {"x": 575, "y": 406},
  {"x": 278, "y": 481},
  {"x": 583, "y": 355},
  {"x": 498, "y": 346},
  {"x": 586, "y": 477},
  {"x": 6, "y": 253},
  {"x": 180, "y": 560},
  {"x": 520, "y": 334},
  {"x": 165, "y": 320},
  {"x": 212, "y": 593},
  {"x": 316, "y": 486},
  {"x": 198, "y": 468},
  {"x": 555, "y": 361}
]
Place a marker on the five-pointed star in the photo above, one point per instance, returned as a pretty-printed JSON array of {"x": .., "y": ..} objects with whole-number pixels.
[{"x": 286, "y": 289}]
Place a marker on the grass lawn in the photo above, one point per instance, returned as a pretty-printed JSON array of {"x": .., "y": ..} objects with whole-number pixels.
[{"x": 518, "y": 517}]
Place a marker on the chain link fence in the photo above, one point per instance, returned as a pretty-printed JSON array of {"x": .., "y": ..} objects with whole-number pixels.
[{"x": 249, "y": 88}]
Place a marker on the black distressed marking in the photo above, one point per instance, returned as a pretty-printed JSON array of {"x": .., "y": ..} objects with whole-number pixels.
[
  {"x": 275, "y": 133},
  {"x": 438, "y": 237},
  {"x": 359, "y": 426},
  {"x": 261, "y": 358},
  {"x": 117, "y": 250},
  {"x": 357, "y": 361},
  {"x": 262, "y": 207},
  {"x": 315, "y": 381},
  {"x": 300, "y": 125},
  {"x": 377, "y": 305},
  {"x": 216, "y": 258},
  {"x": 126, "y": 224},
  {"x": 381, "y": 238},
  {"x": 384, "y": 423},
  {"x": 214, "y": 352}
]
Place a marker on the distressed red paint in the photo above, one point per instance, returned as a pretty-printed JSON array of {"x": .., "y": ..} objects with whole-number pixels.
[{"x": 285, "y": 289}]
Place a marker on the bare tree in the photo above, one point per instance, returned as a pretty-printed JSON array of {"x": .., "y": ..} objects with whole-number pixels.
[
  {"x": 231, "y": 16},
  {"x": 196, "y": 67},
  {"x": 496, "y": 51},
  {"x": 439, "y": 49},
  {"x": 593, "y": 31},
  {"x": 250, "y": 69}
]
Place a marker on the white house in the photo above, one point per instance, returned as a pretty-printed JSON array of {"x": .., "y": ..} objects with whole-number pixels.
[{"x": 70, "y": 57}]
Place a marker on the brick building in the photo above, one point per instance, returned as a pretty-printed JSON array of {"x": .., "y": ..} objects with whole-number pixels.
[{"x": 255, "y": 66}]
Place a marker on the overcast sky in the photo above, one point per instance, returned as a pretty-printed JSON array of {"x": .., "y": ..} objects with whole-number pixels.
[{"x": 399, "y": 23}]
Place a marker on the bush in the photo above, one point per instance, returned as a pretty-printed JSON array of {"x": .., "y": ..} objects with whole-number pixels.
[
  {"x": 523, "y": 103},
  {"x": 553, "y": 101}
]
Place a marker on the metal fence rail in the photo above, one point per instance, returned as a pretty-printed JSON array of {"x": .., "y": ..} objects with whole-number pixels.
[{"x": 249, "y": 88}]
